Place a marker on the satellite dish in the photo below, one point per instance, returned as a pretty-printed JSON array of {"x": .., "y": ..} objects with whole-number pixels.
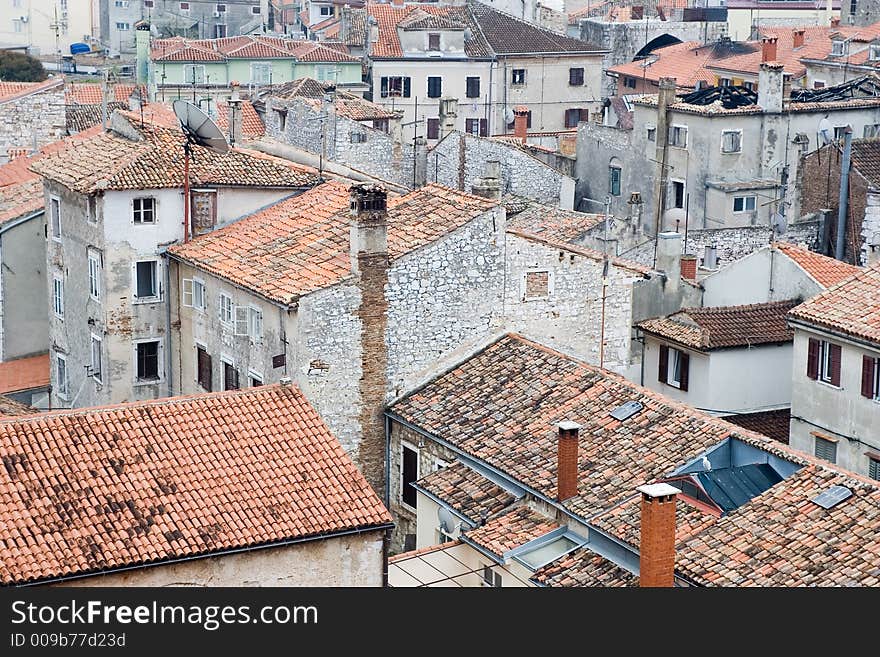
[
  {"x": 826, "y": 132},
  {"x": 199, "y": 128},
  {"x": 778, "y": 223},
  {"x": 508, "y": 115},
  {"x": 447, "y": 520}
]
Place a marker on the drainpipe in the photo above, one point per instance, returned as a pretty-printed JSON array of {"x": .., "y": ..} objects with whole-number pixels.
[
  {"x": 169, "y": 361},
  {"x": 844, "y": 193}
]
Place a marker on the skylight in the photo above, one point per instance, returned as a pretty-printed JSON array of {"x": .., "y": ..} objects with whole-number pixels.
[
  {"x": 627, "y": 410},
  {"x": 832, "y": 497}
]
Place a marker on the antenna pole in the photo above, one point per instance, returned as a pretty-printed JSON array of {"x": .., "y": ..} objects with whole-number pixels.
[{"x": 186, "y": 151}]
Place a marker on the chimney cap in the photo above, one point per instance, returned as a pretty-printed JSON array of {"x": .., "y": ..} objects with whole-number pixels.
[
  {"x": 285, "y": 381},
  {"x": 658, "y": 490},
  {"x": 568, "y": 425}
]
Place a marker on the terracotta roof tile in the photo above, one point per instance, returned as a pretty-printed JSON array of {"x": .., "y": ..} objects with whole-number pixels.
[
  {"x": 725, "y": 326},
  {"x": 9, "y": 407},
  {"x": 466, "y": 491},
  {"x": 259, "y": 46},
  {"x": 172, "y": 478},
  {"x": 24, "y": 374},
  {"x": 89, "y": 93},
  {"x": 82, "y": 117},
  {"x": 301, "y": 244},
  {"x": 346, "y": 103},
  {"x": 866, "y": 158},
  {"x": 553, "y": 223},
  {"x": 510, "y": 530},
  {"x": 357, "y": 33},
  {"x": 389, "y": 16},
  {"x": 826, "y": 271},
  {"x": 686, "y": 62},
  {"x": 624, "y": 522},
  {"x": 583, "y": 568},
  {"x": 13, "y": 90},
  {"x": 851, "y": 307},
  {"x": 419, "y": 19},
  {"x": 773, "y": 424}
]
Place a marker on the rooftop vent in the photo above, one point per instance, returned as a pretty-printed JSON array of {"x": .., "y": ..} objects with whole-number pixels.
[
  {"x": 627, "y": 410},
  {"x": 832, "y": 497}
]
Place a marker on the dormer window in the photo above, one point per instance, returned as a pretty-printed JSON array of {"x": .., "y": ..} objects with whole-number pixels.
[
  {"x": 434, "y": 41},
  {"x": 838, "y": 47}
]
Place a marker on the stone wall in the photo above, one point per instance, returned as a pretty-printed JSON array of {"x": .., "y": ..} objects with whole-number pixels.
[
  {"x": 597, "y": 146},
  {"x": 32, "y": 121}
]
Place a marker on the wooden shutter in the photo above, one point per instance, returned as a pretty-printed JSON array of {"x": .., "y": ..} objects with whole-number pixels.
[
  {"x": 406, "y": 87},
  {"x": 484, "y": 127},
  {"x": 241, "y": 320},
  {"x": 664, "y": 363},
  {"x": 433, "y": 128},
  {"x": 868, "y": 365},
  {"x": 835, "y": 364},
  {"x": 813, "y": 359},
  {"x": 685, "y": 371},
  {"x": 204, "y": 368},
  {"x": 383, "y": 84},
  {"x": 585, "y": 115}
]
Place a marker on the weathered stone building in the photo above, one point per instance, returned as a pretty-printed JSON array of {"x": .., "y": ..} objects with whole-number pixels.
[{"x": 31, "y": 116}]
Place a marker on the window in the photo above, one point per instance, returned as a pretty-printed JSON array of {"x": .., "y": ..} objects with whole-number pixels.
[
  {"x": 146, "y": 279},
  {"x": 576, "y": 77},
  {"x": 874, "y": 52},
  {"x": 823, "y": 361},
  {"x": 677, "y": 194},
  {"x": 121, "y": 3},
  {"x": 476, "y": 127},
  {"x": 409, "y": 472},
  {"x": 203, "y": 211},
  {"x": 261, "y": 73},
  {"x": 97, "y": 357},
  {"x": 874, "y": 468},
  {"x": 381, "y": 125},
  {"x": 871, "y": 377},
  {"x": 255, "y": 10},
  {"x": 225, "y": 309},
  {"x": 219, "y": 30},
  {"x": 473, "y": 87},
  {"x": 629, "y": 83},
  {"x": 839, "y": 132},
  {"x": 575, "y": 115},
  {"x": 724, "y": 82},
  {"x": 744, "y": 203},
  {"x": 435, "y": 85},
  {"x": 58, "y": 296},
  {"x": 518, "y": 76},
  {"x": 838, "y": 47},
  {"x": 433, "y": 128},
  {"x": 325, "y": 10},
  {"x": 433, "y": 41},
  {"x": 358, "y": 137},
  {"x": 872, "y": 130},
  {"x": 537, "y": 285},
  {"x": 194, "y": 295},
  {"x": 256, "y": 379},
  {"x": 825, "y": 449},
  {"x": 490, "y": 577},
  {"x": 230, "y": 376},
  {"x": 147, "y": 360},
  {"x": 62, "y": 382},
  {"x": 818, "y": 84},
  {"x": 395, "y": 86},
  {"x": 148, "y": 3},
  {"x": 144, "y": 210},
  {"x": 614, "y": 182},
  {"x": 678, "y": 136},
  {"x": 652, "y": 133},
  {"x": 184, "y": 7},
  {"x": 731, "y": 141},
  {"x": 674, "y": 369},
  {"x": 123, "y": 27},
  {"x": 17, "y": 25},
  {"x": 749, "y": 85},
  {"x": 95, "y": 275},
  {"x": 194, "y": 73},
  {"x": 221, "y": 9},
  {"x": 55, "y": 216},
  {"x": 255, "y": 324},
  {"x": 203, "y": 368}
]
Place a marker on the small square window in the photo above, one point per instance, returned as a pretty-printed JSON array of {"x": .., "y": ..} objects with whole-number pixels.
[
  {"x": 731, "y": 141},
  {"x": 518, "y": 76},
  {"x": 144, "y": 211},
  {"x": 576, "y": 77},
  {"x": 490, "y": 577},
  {"x": 434, "y": 42},
  {"x": 744, "y": 203},
  {"x": 147, "y": 360},
  {"x": 146, "y": 279}
]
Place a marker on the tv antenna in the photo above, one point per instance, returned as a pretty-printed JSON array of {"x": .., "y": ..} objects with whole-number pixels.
[{"x": 198, "y": 129}]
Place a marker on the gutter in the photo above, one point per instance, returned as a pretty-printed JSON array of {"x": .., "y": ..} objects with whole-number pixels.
[
  {"x": 9, "y": 225},
  {"x": 222, "y": 553},
  {"x": 816, "y": 328}
]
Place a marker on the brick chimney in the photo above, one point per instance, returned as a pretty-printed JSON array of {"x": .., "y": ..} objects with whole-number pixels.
[
  {"x": 771, "y": 83},
  {"x": 835, "y": 21},
  {"x": 369, "y": 263},
  {"x": 448, "y": 114},
  {"x": 798, "y": 38},
  {"x": 657, "y": 542},
  {"x": 768, "y": 49},
  {"x": 521, "y": 122},
  {"x": 689, "y": 267},
  {"x": 567, "y": 460}
]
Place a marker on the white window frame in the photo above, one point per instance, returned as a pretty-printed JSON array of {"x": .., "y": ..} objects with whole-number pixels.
[
  {"x": 190, "y": 79},
  {"x": 408, "y": 445},
  {"x": 732, "y": 132},
  {"x": 62, "y": 389},
  {"x": 58, "y": 295},
  {"x": 838, "y": 47},
  {"x": 823, "y": 367},
  {"x": 157, "y": 280},
  {"x": 160, "y": 358},
  {"x": 327, "y": 13},
  {"x": 673, "y": 361},
  {"x": 681, "y": 129},
  {"x": 876, "y": 390},
  {"x": 94, "y": 258},
  {"x": 871, "y": 130},
  {"x": 123, "y": 26},
  {"x": 253, "y": 374},
  {"x": 261, "y": 66},
  {"x": 184, "y": 10},
  {"x": 55, "y": 217},
  {"x": 524, "y": 281},
  {"x": 255, "y": 324},
  {"x": 745, "y": 209},
  {"x": 226, "y": 321},
  {"x": 99, "y": 377},
  {"x": 140, "y": 212},
  {"x": 199, "y": 295}
]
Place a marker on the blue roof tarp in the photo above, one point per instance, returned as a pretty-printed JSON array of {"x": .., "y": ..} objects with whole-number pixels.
[{"x": 79, "y": 48}]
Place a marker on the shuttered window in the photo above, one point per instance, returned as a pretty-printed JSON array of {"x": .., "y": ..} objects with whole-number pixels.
[
  {"x": 203, "y": 367},
  {"x": 394, "y": 86},
  {"x": 433, "y": 128},
  {"x": 230, "y": 376},
  {"x": 576, "y": 76},
  {"x": 874, "y": 468},
  {"x": 473, "y": 87},
  {"x": 435, "y": 87},
  {"x": 826, "y": 450},
  {"x": 829, "y": 362},
  {"x": 476, "y": 127},
  {"x": 674, "y": 367},
  {"x": 871, "y": 377}
]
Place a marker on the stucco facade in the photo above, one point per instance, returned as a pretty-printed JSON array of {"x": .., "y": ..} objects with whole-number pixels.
[{"x": 23, "y": 307}]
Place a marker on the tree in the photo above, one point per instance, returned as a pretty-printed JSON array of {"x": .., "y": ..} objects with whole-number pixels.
[{"x": 20, "y": 67}]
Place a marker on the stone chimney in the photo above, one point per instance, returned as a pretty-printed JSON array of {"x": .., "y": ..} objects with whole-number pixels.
[
  {"x": 665, "y": 98},
  {"x": 770, "y": 87},
  {"x": 521, "y": 122},
  {"x": 345, "y": 23},
  {"x": 567, "y": 460},
  {"x": 798, "y": 38},
  {"x": 142, "y": 51},
  {"x": 373, "y": 32},
  {"x": 668, "y": 259},
  {"x": 768, "y": 49},
  {"x": 448, "y": 114},
  {"x": 420, "y": 162},
  {"x": 657, "y": 541},
  {"x": 636, "y": 208},
  {"x": 689, "y": 266},
  {"x": 489, "y": 184},
  {"x": 234, "y": 110},
  {"x": 369, "y": 264}
]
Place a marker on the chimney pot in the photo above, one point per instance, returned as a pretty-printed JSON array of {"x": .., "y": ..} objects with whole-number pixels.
[
  {"x": 521, "y": 122},
  {"x": 798, "y": 38},
  {"x": 657, "y": 540},
  {"x": 835, "y": 21},
  {"x": 768, "y": 49},
  {"x": 284, "y": 381},
  {"x": 567, "y": 460}
]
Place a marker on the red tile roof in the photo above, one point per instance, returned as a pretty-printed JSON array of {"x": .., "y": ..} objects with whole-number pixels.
[
  {"x": 510, "y": 530},
  {"x": 301, "y": 244},
  {"x": 466, "y": 491},
  {"x": 14, "y": 90},
  {"x": 89, "y": 93},
  {"x": 824, "y": 270},
  {"x": 552, "y": 223},
  {"x": 260, "y": 46},
  {"x": 686, "y": 62},
  {"x": 506, "y": 35},
  {"x": 97, "y": 489},
  {"x": 389, "y": 16},
  {"x": 583, "y": 568},
  {"x": 9, "y": 407},
  {"x": 346, "y": 103},
  {"x": 773, "y": 424},
  {"x": 24, "y": 374},
  {"x": 623, "y": 522},
  {"x": 851, "y": 307},
  {"x": 722, "y": 327}
]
